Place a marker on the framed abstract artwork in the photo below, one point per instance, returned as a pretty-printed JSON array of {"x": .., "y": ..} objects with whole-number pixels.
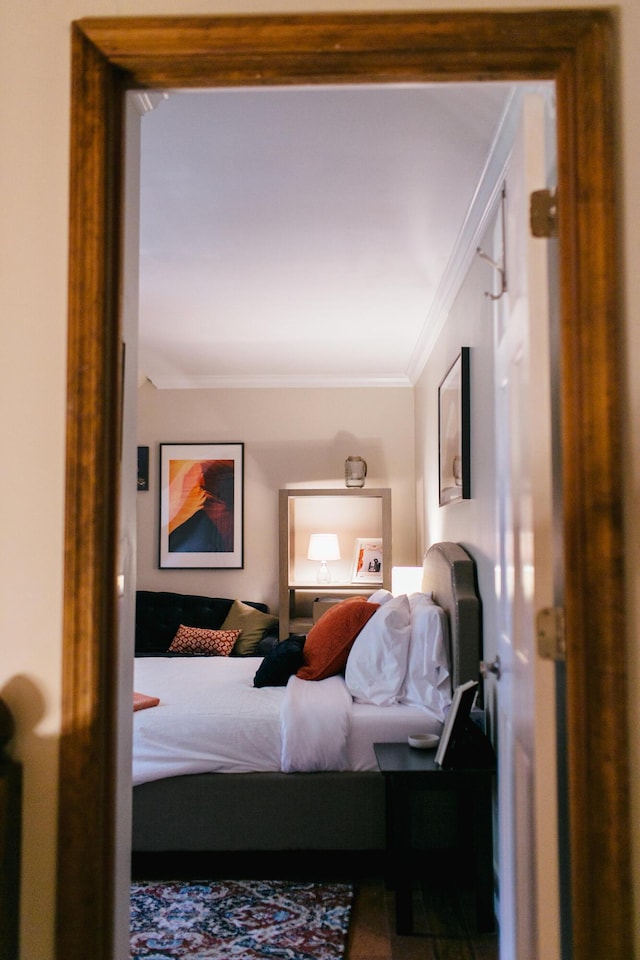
[
  {"x": 201, "y": 505},
  {"x": 454, "y": 431}
]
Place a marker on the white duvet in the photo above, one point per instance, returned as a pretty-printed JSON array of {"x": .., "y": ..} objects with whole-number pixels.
[
  {"x": 211, "y": 719},
  {"x": 315, "y": 721}
]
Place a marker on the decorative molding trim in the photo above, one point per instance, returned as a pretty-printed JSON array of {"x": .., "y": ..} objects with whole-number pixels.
[
  {"x": 145, "y": 101},
  {"x": 275, "y": 381},
  {"x": 579, "y": 50},
  {"x": 481, "y": 208}
]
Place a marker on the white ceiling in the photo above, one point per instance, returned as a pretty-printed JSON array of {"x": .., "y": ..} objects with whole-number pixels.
[{"x": 306, "y": 236}]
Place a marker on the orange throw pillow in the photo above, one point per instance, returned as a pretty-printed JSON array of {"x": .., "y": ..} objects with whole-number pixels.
[{"x": 329, "y": 641}]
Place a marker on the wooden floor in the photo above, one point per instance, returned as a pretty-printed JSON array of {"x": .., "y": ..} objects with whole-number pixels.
[{"x": 443, "y": 926}]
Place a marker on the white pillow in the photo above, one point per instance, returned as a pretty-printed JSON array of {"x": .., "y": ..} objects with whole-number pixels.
[
  {"x": 377, "y": 662},
  {"x": 380, "y": 596},
  {"x": 417, "y": 597},
  {"x": 428, "y": 679}
]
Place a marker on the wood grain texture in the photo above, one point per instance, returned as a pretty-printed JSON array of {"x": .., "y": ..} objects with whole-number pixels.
[
  {"x": 87, "y": 780},
  {"x": 575, "y": 48},
  {"x": 593, "y": 528},
  {"x": 320, "y": 48}
]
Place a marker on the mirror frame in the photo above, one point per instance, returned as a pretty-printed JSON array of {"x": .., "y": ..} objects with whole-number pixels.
[{"x": 576, "y": 49}]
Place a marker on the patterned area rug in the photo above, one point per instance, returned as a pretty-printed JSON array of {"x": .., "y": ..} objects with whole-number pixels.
[{"x": 229, "y": 920}]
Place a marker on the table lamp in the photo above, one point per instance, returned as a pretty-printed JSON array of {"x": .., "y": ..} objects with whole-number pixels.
[{"x": 323, "y": 547}]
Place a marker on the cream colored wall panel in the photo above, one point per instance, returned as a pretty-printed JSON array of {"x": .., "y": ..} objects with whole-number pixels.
[{"x": 292, "y": 438}]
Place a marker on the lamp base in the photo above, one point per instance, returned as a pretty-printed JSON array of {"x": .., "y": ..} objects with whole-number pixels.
[{"x": 324, "y": 576}]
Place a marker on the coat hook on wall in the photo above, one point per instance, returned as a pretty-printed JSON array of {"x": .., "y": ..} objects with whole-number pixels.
[{"x": 501, "y": 268}]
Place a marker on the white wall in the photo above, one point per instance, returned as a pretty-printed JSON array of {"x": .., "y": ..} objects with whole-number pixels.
[
  {"x": 34, "y": 175},
  {"x": 292, "y": 438},
  {"x": 469, "y": 522}
]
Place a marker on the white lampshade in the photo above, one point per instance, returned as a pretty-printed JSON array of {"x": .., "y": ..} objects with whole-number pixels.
[
  {"x": 406, "y": 580},
  {"x": 323, "y": 546}
]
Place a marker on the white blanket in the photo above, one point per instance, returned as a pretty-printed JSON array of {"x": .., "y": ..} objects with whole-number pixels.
[
  {"x": 211, "y": 719},
  {"x": 315, "y": 720}
]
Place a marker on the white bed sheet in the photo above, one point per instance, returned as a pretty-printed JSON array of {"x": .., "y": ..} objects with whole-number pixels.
[
  {"x": 211, "y": 719},
  {"x": 393, "y": 724}
]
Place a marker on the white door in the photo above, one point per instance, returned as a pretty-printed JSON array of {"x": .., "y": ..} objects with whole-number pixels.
[{"x": 529, "y": 914}]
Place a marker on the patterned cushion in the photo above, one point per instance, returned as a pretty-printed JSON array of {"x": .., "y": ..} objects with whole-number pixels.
[{"x": 213, "y": 643}]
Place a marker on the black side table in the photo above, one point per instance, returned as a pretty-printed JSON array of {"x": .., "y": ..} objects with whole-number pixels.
[{"x": 405, "y": 770}]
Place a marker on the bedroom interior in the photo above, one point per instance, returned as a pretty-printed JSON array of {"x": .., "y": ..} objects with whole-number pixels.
[
  {"x": 354, "y": 803},
  {"x": 363, "y": 451},
  {"x": 226, "y": 813},
  {"x": 303, "y": 822}
]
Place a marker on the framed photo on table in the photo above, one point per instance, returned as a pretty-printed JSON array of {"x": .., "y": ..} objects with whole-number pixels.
[
  {"x": 201, "y": 505},
  {"x": 367, "y": 561},
  {"x": 456, "y": 723}
]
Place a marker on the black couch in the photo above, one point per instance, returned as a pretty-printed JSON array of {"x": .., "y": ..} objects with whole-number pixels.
[{"x": 160, "y": 613}]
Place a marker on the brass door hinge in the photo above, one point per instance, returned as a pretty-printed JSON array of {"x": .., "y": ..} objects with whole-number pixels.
[
  {"x": 543, "y": 213},
  {"x": 551, "y": 634}
]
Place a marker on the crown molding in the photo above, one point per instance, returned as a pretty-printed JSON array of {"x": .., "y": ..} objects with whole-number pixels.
[
  {"x": 147, "y": 100},
  {"x": 481, "y": 208},
  {"x": 273, "y": 381}
]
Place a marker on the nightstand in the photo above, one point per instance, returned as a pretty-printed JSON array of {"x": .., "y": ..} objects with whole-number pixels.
[{"x": 407, "y": 770}]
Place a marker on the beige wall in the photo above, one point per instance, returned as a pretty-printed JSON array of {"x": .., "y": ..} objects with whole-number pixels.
[
  {"x": 292, "y": 438},
  {"x": 469, "y": 522},
  {"x": 34, "y": 112}
]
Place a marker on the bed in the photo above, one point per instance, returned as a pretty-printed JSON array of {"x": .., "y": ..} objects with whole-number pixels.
[{"x": 257, "y": 789}]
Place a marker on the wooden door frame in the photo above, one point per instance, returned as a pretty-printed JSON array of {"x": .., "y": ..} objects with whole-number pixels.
[{"x": 576, "y": 49}]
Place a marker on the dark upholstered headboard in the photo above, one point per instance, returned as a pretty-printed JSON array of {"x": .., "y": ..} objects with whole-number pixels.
[{"x": 450, "y": 573}]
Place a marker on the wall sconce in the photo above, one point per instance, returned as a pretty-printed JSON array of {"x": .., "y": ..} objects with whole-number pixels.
[
  {"x": 323, "y": 547},
  {"x": 406, "y": 580}
]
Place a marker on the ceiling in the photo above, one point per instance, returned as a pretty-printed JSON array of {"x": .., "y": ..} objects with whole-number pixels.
[{"x": 307, "y": 236}]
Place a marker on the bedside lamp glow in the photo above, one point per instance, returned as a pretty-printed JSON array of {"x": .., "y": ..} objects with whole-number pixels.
[
  {"x": 323, "y": 547},
  {"x": 406, "y": 580}
]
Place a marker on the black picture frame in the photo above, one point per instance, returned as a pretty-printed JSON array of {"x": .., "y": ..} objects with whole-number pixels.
[
  {"x": 201, "y": 506},
  {"x": 143, "y": 468},
  {"x": 454, "y": 431}
]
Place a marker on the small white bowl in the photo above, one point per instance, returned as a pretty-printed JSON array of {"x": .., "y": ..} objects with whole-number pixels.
[{"x": 423, "y": 741}]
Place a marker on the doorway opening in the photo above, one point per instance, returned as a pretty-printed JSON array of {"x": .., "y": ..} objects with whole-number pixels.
[
  {"x": 255, "y": 193},
  {"x": 575, "y": 50}
]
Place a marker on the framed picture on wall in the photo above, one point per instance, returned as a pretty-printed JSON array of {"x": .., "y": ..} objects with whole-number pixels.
[
  {"x": 143, "y": 468},
  {"x": 454, "y": 431},
  {"x": 201, "y": 505},
  {"x": 367, "y": 561}
]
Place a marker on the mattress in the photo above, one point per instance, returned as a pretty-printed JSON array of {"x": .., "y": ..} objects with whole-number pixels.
[{"x": 211, "y": 719}]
